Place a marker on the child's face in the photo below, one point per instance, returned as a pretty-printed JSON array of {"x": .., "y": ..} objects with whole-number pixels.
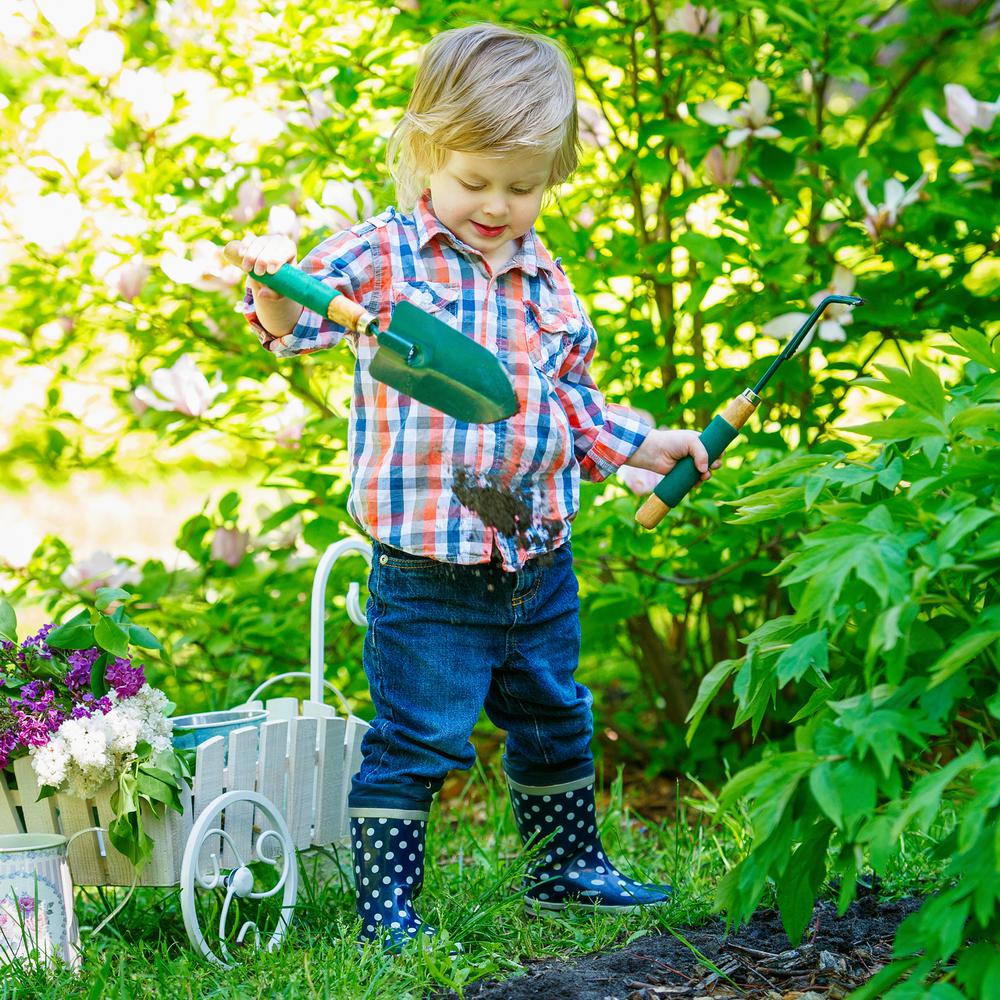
[{"x": 487, "y": 201}]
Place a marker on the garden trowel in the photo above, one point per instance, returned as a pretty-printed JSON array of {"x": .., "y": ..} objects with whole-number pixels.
[{"x": 418, "y": 355}]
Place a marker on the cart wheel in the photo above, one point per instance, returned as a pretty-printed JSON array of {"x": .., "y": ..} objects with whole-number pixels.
[{"x": 250, "y": 902}]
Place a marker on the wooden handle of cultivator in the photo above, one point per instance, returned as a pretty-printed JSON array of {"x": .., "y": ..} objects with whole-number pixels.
[
  {"x": 684, "y": 476},
  {"x": 308, "y": 291}
]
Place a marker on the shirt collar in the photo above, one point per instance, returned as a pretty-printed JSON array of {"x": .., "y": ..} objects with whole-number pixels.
[{"x": 531, "y": 257}]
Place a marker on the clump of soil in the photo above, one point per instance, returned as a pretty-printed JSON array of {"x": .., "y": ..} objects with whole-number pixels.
[
  {"x": 500, "y": 507},
  {"x": 757, "y": 962}
]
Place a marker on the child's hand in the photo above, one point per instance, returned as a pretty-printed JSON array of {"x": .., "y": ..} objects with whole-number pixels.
[
  {"x": 264, "y": 255},
  {"x": 662, "y": 450}
]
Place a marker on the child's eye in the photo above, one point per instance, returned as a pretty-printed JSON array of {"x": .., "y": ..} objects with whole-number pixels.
[
  {"x": 471, "y": 187},
  {"x": 516, "y": 191}
]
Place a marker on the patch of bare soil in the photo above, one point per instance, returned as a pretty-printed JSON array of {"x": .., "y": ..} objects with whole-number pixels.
[{"x": 837, "y": 955}]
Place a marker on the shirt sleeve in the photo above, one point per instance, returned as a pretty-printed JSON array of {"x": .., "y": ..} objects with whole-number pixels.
[
  {"x": 345, "y": 262},
  {"x": 605, "y": 434}
]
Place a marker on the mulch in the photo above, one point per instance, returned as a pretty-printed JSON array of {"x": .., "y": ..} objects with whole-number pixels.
[{"x": 837, "y": 955}]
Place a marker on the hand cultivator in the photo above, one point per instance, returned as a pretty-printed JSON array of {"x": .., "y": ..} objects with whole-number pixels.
[{"x": 724, "y": 428}]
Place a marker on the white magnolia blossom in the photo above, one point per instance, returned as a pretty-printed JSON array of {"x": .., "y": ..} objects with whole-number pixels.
[
  {"x": 230, "y": 545},
  {"x": 147, "y": 93},
  {"x": 182, "y": 388},
  {"x": 749, "y": 118},
  {"x": 639, "y": 481},
  {"x": 85, "y": 754},
  {"x": 249, "y": 200},
  {"x": 342, "y": 203},
  {"x": 207, "y": 270},
  {"x": 895, "y": 198},
  {"x": 835, "y": 317},
  {"x": 68, "y": 17},
  {"x": 692, "y": 20},
  {"x": 288, "y": 424},
  {"x": 100, "y": 53},
  {"x": 965, "y": 114},
  {"x": 100, "y": 569},
  {"x": 282, "y": 221}
]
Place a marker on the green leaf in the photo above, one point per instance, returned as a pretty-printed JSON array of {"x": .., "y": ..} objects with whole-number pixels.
[
  {"x": 70, "y": 636},
  {"x": 710, "y": 686},
  {"x": 111, "y": 637},
  {"x": 807, "y": 653},
  {"x": 229, "y": 505},
  {"x": 8, "y": 621},
  {"x": 966, "y": 649},
  {"x": 798, "y": 884},
  {"x": 108, "y": 595},
  {"x": 138, "y": 636}
]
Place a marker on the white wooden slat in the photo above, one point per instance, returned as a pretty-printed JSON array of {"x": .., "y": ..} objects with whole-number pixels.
[
  {"x": 39, "y": 817},
  {"x": 10, "y": 822},
  {"x": 87, "y": 861},
  {"x": 241, "y": 774},
  {"x": 160, "y": 869},
  {"x": 120, "y": 870},
  {"x": 330, "y": 781},
  {"x": 282, "y": 708},
  {"x": 182, "y": 823},
  {"x": 318, "y": 710},
  {"x": 208, "y": 785},
  {"x": 301, "y": 780},
  {"x": 356, "y": 729},
  {"x": 272, "y": 763}
]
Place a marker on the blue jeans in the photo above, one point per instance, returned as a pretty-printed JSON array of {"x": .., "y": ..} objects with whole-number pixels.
[{"x": 446, "y": 641}]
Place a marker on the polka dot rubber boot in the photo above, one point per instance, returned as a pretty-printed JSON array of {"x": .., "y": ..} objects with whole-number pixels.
[
  {"x": 388, "y": 874},
  {"x": 573, "y": 868}
]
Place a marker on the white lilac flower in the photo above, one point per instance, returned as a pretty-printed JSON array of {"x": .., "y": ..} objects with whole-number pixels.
[
  {"x": 749, "y": 118},
  {"x": 965, "y": 114},
  {"x": 896, "y": 198},
  {"x": 692, "y": 20},
  {"x": 182, "y": 388},
  {"x": 100, "y": 569},
  {"x": 835, "y": 317}
]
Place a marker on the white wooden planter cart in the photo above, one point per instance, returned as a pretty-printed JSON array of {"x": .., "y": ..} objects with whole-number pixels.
[{"x": 281, "y": 788}]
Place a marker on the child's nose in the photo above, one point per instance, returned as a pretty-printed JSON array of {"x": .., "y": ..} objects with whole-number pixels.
[{"x": 496, "y": 206}]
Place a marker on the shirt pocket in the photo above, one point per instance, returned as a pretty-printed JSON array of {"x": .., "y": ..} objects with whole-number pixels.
[
  {"x": 430, "y": 296},
  {"x": 550, "y": 333}
]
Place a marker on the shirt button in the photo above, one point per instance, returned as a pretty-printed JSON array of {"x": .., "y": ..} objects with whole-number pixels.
[{"x": 383, "y": 559}]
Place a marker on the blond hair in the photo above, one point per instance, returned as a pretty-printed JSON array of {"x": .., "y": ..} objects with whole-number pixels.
[{"x": 484, "y": 89}]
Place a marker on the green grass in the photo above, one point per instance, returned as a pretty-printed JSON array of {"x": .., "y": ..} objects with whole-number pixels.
[{"x": 471, "y": 894}]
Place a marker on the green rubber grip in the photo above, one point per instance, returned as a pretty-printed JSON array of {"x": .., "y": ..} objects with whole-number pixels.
[
  {"x": 684, "y": 476},
  {"x": 300, "y": 287}
]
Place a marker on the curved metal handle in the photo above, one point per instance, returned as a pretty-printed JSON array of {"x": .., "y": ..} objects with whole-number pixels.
[{"x": 332, "y": 554}]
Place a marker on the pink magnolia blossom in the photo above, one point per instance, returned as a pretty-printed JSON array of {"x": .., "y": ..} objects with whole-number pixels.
[
  {"x": 594, "y": 129},
  {"x": 230, "y": 545},
  {"x": 836, "y": 316},
  {"x": 896, "y": 198},
  {"x": 749, "y": 118},
  {"x": 692, "y": 20},
  {"x": 282, "y": 221},
  {"x": 722, "y": 166},
  {"x": 249, "y": 201},
  {"x": 639, "y": 481},
  {"x": 182, "y": 388},
  {"x": 287, "y": 426}
]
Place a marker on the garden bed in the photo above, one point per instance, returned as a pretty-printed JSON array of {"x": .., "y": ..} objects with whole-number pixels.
[{"x": 836, "y": 956}]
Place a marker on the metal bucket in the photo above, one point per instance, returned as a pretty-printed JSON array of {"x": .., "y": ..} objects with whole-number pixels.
[
  {"x": 191, "y": 730},
  {"x": 37, "y": 919}
]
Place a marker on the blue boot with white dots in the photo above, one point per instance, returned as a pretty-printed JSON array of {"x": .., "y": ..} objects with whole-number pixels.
[
  {"x": 388, "y": 873},
  {"x": 573, "y": 868}
]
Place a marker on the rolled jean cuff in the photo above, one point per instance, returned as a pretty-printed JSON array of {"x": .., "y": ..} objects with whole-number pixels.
[
  {"x": 546, "y": 777},
  {"x": 374, "y": 800}
]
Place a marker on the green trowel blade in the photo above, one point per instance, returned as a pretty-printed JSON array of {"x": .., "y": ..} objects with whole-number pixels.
[{"x": 426, "y": 359}]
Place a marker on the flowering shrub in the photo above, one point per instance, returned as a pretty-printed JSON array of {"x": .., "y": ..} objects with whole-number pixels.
[{"x": 85, "y": 716}]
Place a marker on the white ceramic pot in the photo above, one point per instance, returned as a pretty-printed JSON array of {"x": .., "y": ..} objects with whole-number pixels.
[{"x": 37, "y": 920}]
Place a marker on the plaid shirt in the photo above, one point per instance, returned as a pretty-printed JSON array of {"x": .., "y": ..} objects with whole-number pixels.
[{"x": 408, "y": 460}]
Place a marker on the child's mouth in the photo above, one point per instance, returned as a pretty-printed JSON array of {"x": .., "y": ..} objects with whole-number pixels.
[{"x": 488, "y": 230}]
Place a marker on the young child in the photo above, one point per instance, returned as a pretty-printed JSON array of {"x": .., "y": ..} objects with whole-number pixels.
[{"x": 473, "y": 599}]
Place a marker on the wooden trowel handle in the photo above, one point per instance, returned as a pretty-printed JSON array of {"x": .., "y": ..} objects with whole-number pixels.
[
  {"x": 684, "y": 476},
  {"x": 308, "y": 291}
]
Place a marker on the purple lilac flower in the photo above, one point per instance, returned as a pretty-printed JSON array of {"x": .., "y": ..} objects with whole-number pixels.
[
  {"x": 80, "y": 663},
  {"x": 103, "y": 705},
  {"x": 79, "y": 712},
  {"x": 37, "y": 643},
  {"x": 33, "y": 731},
  {"x": 26, "y": 905},
  {"x": 124, "y": 678}
]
